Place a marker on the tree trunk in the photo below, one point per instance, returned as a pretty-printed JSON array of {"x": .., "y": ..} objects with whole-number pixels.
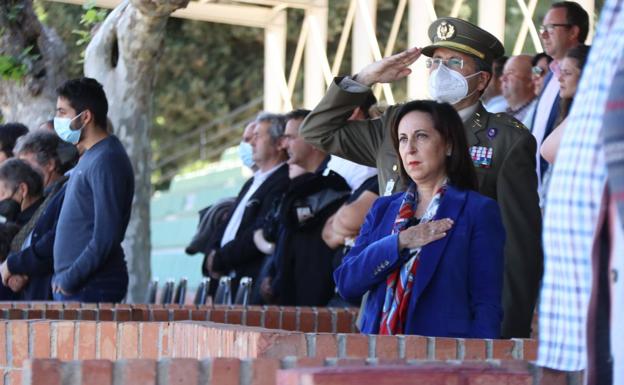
[
  {"x": 30, "y": 100},
  {"x": 122, "y": 56}
]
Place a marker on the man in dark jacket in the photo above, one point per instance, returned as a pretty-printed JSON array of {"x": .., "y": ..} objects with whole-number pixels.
[{"x": 237, "y": 255}]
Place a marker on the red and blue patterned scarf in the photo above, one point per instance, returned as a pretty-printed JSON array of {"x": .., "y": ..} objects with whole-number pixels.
[{"x": 400, "y": 282}]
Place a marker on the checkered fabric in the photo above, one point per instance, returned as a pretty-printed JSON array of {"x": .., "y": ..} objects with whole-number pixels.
[{"x": 574, "y": 203}]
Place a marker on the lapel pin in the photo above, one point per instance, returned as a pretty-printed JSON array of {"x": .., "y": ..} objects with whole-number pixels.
[{"x": 492, "y": 133}]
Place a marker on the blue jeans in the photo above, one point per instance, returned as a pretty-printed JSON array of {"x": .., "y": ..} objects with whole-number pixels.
[{"x": 99, "y": 289}]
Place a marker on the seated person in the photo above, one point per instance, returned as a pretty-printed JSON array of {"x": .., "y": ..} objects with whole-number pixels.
[
  {"x": 301, "y": 273},
  {"x": 21, "y": 194},
  {"x": 32, "y": 252},
  {"x": 432, "y": 256}
]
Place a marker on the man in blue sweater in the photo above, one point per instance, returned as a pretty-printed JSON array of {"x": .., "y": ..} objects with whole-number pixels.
[{"x": 89, "y": 264}]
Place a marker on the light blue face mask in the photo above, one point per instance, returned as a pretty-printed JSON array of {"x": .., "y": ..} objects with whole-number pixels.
[
  {"x": 245, "y": 152},
  {"x": 63, "y": 129}
]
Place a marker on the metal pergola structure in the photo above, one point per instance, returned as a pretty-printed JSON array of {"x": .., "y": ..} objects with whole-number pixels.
[{"x": 359, "y": 24}]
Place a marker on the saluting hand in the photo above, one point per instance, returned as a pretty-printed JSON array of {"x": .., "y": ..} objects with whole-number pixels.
[
  {"x": 389, "y": 69},
  {"x": 424, "y": 233}
]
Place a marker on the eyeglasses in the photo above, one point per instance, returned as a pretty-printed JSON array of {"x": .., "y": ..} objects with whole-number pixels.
[
  {"x": 538, "y": 71},
  {"x": 550, "y": 28},
  {"x": 452, "y": 63}
]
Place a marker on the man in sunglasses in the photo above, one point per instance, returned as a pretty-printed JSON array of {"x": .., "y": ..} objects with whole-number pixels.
[
  {"x": 565, "y": 26},
  {"x": 503, "y": 150}
]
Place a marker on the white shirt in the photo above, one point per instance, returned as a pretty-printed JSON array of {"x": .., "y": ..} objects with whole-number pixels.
[
  {"x": 353, "y": 173},
  {"x": 617, "y": 300},
  {"x": 496, "y": 104},
  {"x": 237, "y": 216},
  {"x": 542, "y": 113},
  {"x": 466, "y": 113}
]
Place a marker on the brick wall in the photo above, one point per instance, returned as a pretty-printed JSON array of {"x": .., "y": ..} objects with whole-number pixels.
[{"x": 85, "y": 340}]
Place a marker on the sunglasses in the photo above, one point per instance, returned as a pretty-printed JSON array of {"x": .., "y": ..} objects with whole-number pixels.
[{"x": 538, "y": 71}]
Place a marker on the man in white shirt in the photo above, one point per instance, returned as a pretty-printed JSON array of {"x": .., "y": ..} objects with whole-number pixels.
[
  {"x": 518, "y": 88},
  {"x": 565, "y": 26}
]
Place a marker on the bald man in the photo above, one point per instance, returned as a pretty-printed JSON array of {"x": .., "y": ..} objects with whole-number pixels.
[{"x": 518, "y": 88}]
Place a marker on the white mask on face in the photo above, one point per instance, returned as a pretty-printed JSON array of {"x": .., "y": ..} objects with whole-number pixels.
[{"x": 447, "y": 85}]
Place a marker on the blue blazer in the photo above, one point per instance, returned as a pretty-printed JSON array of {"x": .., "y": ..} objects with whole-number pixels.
[{"x": 457, "y": 288}]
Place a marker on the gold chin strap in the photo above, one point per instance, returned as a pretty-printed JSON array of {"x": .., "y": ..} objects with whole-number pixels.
[{"x": 462, "y": 47}]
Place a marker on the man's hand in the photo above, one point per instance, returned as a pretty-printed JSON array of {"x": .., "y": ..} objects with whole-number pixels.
[
  {"x": 56, "y": 288},
  {"x": 17, "y": 282},
  {"x": 389, "y": 69},
  {"x": 209, "y": 263},
  {"x": 6, "y": 274}
]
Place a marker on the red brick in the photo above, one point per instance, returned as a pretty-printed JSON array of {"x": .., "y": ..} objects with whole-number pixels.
[
  {"x": 34, "y": 314},
  {"x": 15, "y": 314},
  {"x": 498, "y": 378},
  {"x": 70, "y": 314},
  {"x": 149, "y": 340},
  {"x": 3, "y": 347},
  {"x": 106, "y": 315},
  {"x": 272, "y": 318},
  {"x": 326, "y": 345},
  {"x": 105, "y": 305},
  {"x": 108, "y": 340},
  {"x": 390, "y": 375},
  {"x": 351, "y": 361},
  {"x": 122, "y": 315},
  {"x": 93, "y": 306},
  {"x": 356, "y": 345},
  {"x": 289, "y": 319},
  {"x": 65, "y": 340},
  {"x": 235, "y": 316},
  {"x": 474, "y": 349},
  {"x": 183, "y": 371},
  {"x": 129, "y": 340},
  {"x": 41, "y": 339},
  {"x": 307, "y": 320},
  {"x": 530, "y": 350},
  {"x": 139, "y": 314},
  {"x": 97, "y": 372},
  {"x": 87, "y": 314},
  {"x": 502, "y": 349},
  {"x": 254, "y": 317},
  {"x": 218, "y": 315},
  {"x": 199, "y": 315},
  {"x": 87, "y": 331},
  {"x": 19, "y": 346},
  {"x": 264, "y": 371},
  {"x": 445, "y": 348},
  {"x": 415, "y": 347},
  {"x": 165, "y": 332},
  {"x": 139, "y": 372},
  {"x": 387, "y": 347},
  {"x": 15, "y": 377},
  {"x": 44, "y": 372},
  {"x": 225, "y": 371},
  {"x": 181, "y": 315},
  {"x": 310, "y": 362},
  {"x": 344, "y": 321},
  {"x": 160, "y": 315},
  {"x": 279, "y": 345},
  {"x": 324, "y": 321},
  {"x": 72, "y": 305}
]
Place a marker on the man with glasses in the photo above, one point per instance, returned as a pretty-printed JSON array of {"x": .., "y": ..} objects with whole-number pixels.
[
  {"x": 565, "y": 26},
  {"x": 502, "y": 149}
]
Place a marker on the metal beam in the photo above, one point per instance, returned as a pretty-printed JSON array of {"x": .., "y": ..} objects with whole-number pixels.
[
  {"x": 419, "y": 18},
  {"x": 492, "y": 17},
  {"x": 276, "y": 98},
  {"x": 245, "y": 15},
  {"x": 313, "y": 79}
]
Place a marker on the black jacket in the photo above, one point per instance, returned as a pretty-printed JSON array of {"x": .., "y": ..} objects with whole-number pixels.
[{"x": 241, "y": 254}]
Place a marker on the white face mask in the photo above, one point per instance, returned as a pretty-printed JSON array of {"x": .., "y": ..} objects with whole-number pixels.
[{"x": 447, "y": 85}]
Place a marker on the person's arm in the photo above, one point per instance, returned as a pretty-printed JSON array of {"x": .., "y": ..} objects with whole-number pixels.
[
  {"x": 327, "y": 126},
  {"x": 485, "y": 275},
  {"x": 350, "y": 217},
  {"x": 519, "y": 204},
  {"x": 112, "y": 197}
]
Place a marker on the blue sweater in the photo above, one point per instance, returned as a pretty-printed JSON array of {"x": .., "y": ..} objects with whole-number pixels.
[{"x": 94, "y": 217}]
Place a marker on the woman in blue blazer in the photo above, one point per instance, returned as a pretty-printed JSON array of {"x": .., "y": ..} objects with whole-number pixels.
[{"x": 432, "y": 256}]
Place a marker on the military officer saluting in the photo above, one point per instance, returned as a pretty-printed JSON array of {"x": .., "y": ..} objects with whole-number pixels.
[{"x": 503, "y": 150}]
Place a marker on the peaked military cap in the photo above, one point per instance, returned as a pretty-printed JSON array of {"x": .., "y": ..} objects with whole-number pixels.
[{"x": 460, "y": 35}]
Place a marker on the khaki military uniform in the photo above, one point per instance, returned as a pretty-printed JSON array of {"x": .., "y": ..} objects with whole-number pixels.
[{"x": 504, "y": 155}]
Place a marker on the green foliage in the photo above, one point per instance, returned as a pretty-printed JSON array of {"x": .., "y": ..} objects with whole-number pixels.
[
  {"x": 91, "y": 17},
  {"x": 16, "y": 67}
]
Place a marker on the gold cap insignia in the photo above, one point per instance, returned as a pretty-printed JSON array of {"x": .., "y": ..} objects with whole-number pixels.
[{"x": 445, "y": 31}]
